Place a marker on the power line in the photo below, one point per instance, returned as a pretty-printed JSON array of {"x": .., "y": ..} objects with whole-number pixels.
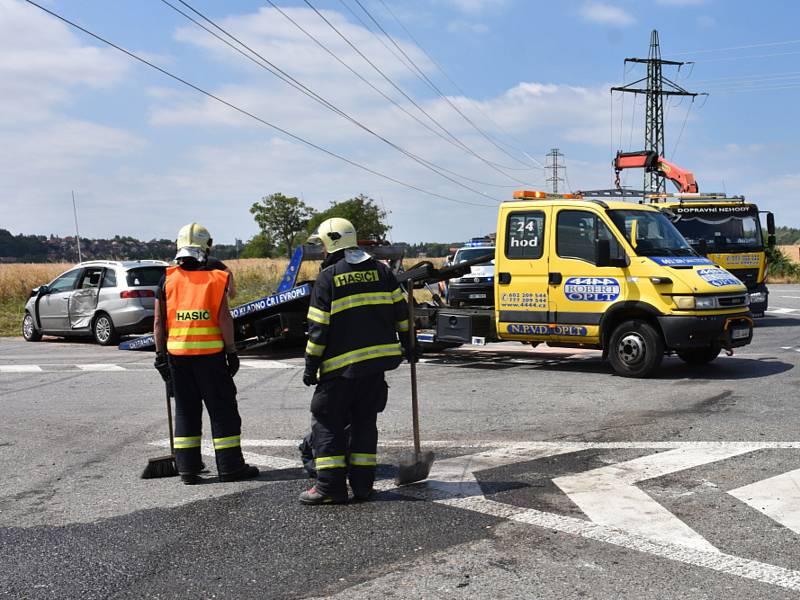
[
  {"x": 730, "y": 58},
  {"x": 385, "y": 96},
  {"x": 780, "y": 75},
  {"x": 247, "y": 113},
  {"x": 680, "y": 135},
  {"x": 748, "y": 46},
  {"x": 458, "y": 88},
  {"x": 436, "y": 88},
  {"x": 284, "y": 76},
  {"x": 395, "y": 86}
]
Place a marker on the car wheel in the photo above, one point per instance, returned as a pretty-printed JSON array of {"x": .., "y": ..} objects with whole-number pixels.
[
  {"x": 700, "y": 356},
  {"x": 104, "y": 331},
  {"x": 29, "y": 331},
  {"x": 636, "y": 349}
]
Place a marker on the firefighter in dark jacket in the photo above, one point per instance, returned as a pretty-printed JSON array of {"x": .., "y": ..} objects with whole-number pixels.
[
  {"x": 357, "y": 310},
  {"x": 195, "y": 351}
]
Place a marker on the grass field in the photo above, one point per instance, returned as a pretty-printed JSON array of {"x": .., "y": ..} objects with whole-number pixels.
[{"x": 255, "y": 278}]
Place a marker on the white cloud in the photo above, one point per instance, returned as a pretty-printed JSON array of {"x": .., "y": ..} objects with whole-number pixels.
[
  {"x": 606, "y": 14},
  {"x": 206, "y": 161},
  {"x": 467, "y": 27},
  {"x": 476, "y": 6},
  {"x": 706, "y": 22},
  {"x": 680, "y": 2}
]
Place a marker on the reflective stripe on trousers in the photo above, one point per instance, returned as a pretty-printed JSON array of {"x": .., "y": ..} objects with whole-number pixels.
[
  {"x": 362, "y": 459},
  {"x": 330, "y": 462}
]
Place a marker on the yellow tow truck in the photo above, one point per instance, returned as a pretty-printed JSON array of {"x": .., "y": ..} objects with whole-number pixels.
[
  {"x": 609, "y": 275},
  {"x": 726, "y": 229}
]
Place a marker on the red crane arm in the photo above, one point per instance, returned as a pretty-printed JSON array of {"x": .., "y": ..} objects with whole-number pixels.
[{"x": 651, "y": 162}]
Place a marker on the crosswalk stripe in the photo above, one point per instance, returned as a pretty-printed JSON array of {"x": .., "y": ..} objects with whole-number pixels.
[
  {"x": 100, "y": 367},
  {"x": 267, "y": 364},
  {"x": 777, "y": 497},
  {"x": 20, "y": 369},
  {"x": 782, "y": 311}
]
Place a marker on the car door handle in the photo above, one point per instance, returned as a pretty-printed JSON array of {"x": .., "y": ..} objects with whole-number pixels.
[
  {"x": 554, "y": 278},
  {"x": 504, "y": 278}
]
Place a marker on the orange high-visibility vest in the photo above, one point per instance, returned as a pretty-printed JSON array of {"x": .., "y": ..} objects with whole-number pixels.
[{"x": 193, "y": 302}]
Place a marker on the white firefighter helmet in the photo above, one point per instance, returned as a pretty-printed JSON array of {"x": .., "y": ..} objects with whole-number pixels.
[
  {"x": 194, "y": 241},
  {"x": 335, "y": 234}
]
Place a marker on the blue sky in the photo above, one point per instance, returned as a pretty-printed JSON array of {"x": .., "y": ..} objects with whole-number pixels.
[{"x": 145, "y": 155}]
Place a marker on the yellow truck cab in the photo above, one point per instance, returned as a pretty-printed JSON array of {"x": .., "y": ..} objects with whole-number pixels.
[
  {"x": 615, "y": 276},
  {"x": 728, "y": 231},
  {"x": 609, "y": 275}
]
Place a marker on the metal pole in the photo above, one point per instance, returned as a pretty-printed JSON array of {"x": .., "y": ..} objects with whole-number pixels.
[{"x": 77, "y": 233}]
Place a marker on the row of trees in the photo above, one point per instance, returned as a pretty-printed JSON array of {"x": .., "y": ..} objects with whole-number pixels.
[{"x": 285, "y": 222}]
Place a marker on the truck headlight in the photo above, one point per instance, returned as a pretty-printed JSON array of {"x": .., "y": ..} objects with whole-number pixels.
[
  {"x": 705, "y": 302},
  {"x": 684, "y": 302},
  {"x": 757, "y": 297}
]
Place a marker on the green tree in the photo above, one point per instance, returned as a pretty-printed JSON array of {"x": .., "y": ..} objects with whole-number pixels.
[
  {"x": 362, "y": 211},
  {"x": 282, "y": 218},
  {"x": 258, "y": 246}
]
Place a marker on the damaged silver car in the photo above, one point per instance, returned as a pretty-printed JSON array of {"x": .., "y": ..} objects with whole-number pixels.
[{"x": 102, "y": 299}]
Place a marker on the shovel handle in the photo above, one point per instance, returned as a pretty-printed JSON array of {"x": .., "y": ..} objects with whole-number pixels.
[
  {"x": 169, "y": 420},
  {"x": 412, "y": 342}
]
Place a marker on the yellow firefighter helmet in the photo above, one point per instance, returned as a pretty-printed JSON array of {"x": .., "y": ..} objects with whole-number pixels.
[
  {"x": 194, "y": 241},
  {"x": 335, "y": 234}
]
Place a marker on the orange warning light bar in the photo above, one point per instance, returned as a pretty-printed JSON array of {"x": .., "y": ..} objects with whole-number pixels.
[
  {"x": 529, "y": 194},
  {"x": 533, "y": 195}
]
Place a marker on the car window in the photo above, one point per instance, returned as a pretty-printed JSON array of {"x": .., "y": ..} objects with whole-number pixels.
[
  {"x": 91, "y": 278},
  {"x": 525, "y": 234},
  {"x": 110, "y": 279},
  {"x": 65, "y": 282},
  {"x": 575, "y": 235},
  {"x": 145, "y": 276}
]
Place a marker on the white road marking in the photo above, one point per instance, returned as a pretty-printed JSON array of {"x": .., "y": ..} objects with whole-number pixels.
[
  {"x": 101, "y": 367},
  {"x": 782, "y": 311},
  {"x": 777, "y": 497},
  {"x": 608, "y": 495},
  {"x": 453, "y": 483},
  {"x": 267, "y": 364},
  {"x": 20, "y": 369},
  {"x": 792, "y": 297}
]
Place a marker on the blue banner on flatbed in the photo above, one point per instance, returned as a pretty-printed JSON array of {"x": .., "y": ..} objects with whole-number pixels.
[{"x": 267, "y": 302}]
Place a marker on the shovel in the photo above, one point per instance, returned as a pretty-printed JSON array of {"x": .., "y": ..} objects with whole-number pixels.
[{"x": 417, "y": 466}]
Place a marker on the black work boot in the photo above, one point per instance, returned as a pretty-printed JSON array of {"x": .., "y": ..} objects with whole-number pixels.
[
  {"x": 315, "y": 497},
  {"x": 246, "y": 472},
  {"x": 191, "y": 478},
  {"x": 362, "y": 496}
]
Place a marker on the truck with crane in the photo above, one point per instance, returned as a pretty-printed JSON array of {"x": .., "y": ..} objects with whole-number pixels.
[{"x": 725, "y": 229}]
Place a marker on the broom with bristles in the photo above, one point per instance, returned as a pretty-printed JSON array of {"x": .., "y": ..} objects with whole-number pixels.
[{"x": 163, "y": 466}]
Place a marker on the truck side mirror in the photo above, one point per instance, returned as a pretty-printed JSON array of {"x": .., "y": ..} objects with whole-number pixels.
[
  {"x": 603, "y": 256},
  {"x": 770, "y": 224},
  {"x": 771, "y": 240}
]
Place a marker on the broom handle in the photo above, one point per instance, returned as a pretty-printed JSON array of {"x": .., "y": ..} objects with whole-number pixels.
[
  {"x": 412, "y": 341},
  {"x": 169, "y": 420}
]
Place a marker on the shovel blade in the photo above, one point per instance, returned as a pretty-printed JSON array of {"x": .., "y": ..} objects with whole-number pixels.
[{"x": 415, "y": 467}]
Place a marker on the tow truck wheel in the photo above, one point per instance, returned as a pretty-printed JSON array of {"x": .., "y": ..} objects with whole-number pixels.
[
  {"x": 699, "y": 356},
  {"x": 636, "y": 349},
  {"x": 29, "y": 331},
  {"x": 103, "y": 329}
]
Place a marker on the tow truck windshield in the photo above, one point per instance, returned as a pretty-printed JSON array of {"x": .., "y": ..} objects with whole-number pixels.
[
  {"x": 655, "y": 233},
  {"x": 721, "y": 233},
  {"x": 465, "y": 254}
]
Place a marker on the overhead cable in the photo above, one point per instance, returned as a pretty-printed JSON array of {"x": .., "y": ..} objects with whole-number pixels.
[
  {"x": 401, "y": 91},
  {"x": 458, "y": 88},
  {"x": 746, "y": 47},
  {"x": 366, "y": 81},
  {"x": 436, "y": 88},
  {"x": 247, "y": 113},
  {"x": 284, "y": 76}
]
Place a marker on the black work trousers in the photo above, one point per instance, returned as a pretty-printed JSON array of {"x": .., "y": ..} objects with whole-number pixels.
[
  {"x": 337, "y": 456},
  {"x": 205, "y": 378}
]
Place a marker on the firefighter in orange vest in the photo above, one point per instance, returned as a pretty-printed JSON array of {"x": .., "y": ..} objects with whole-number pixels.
[{"x": 195, "y": 350}]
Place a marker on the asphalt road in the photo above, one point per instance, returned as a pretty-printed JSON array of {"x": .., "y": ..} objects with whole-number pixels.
[{"x": 554, "y": 479}]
